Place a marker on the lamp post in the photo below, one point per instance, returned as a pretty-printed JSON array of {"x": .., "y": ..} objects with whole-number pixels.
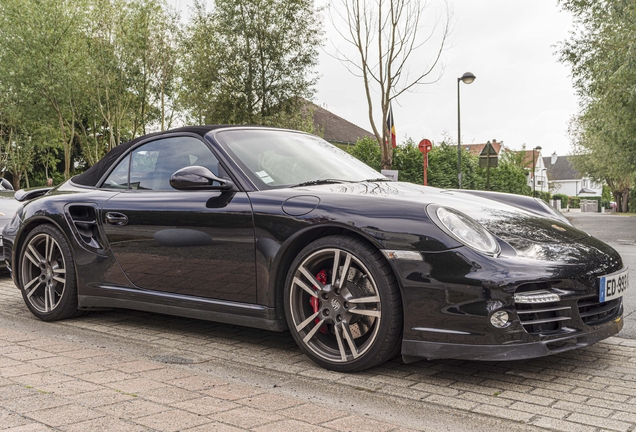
[
  {"x": 467, "y": 78},
  {"x": 534, "y": 169}
]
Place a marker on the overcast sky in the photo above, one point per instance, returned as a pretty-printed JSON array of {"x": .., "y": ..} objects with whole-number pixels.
[{"x": 522, "y": 94}]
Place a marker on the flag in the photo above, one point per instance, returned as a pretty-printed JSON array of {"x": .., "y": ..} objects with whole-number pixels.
[{"x": 391, "y": 126}]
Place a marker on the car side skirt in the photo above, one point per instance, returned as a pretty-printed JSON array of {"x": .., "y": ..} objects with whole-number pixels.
[{"x": 244, "y": 314}]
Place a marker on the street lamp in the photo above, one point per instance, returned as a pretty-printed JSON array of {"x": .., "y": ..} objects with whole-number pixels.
[
  {"x": 467, "y": 78},
  {"x": 534, "y": 169}
]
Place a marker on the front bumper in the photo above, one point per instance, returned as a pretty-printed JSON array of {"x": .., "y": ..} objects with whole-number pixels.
[{"x": 413, "y": 350}]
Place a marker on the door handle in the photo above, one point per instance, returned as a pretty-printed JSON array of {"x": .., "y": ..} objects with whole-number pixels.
[{"x": 117, "y": 219}]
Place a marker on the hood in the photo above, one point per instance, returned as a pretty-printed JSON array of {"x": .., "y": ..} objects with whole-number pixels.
[{"x": 508, "y": 222}]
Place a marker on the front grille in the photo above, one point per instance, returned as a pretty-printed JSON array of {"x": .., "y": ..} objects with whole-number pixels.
[
  {"x": 593, "y": 312},
  {"x": 543, "y": 317}
]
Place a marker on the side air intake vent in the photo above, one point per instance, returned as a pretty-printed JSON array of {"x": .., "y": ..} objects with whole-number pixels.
[{"x": 85, "y": 222}]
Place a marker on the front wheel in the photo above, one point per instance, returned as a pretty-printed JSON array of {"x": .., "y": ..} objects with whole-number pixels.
[
  {"x": 47, "y": 276},
  {"x": 343, "y": 305}
]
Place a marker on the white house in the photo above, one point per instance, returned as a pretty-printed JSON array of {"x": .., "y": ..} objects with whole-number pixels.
[
  {"x": 537, "y": 172},
  {"x": 564, "y": 179}
]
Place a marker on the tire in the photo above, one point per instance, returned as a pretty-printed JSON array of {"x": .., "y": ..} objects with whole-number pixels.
[
  {"x": 343, "y": 327},
  {"x": 47, "y": 275}
]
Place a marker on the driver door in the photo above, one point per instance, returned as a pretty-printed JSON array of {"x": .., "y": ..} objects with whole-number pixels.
[{"x": 195, "y": 243}]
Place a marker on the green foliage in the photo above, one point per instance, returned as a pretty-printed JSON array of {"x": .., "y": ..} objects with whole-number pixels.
[
  {"x": 574, "y": 202},
  {"x": 368, "y": 151},
  {"x": 563, "y": 197},
  {"x": 408, "y": 160},
  {"x": 601, "y": 54},
  {"x": 250, "y": 62},
  {"x": 545, "y": 196}
]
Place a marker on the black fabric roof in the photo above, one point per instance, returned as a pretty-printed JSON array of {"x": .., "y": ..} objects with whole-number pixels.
[{"x": 91, "y": 176}]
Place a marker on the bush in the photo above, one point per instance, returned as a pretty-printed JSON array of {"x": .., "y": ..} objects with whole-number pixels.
[
  {"x": 408, "y": 160},
  {"x": 545, "y": 196},
  {"x": 563, "y": 198},
  {"x": 368, "y": 151},
  {"x": 574, "y": 202}
]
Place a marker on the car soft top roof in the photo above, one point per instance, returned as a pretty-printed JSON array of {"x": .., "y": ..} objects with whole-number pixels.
[{"x": 91, "y": 176}]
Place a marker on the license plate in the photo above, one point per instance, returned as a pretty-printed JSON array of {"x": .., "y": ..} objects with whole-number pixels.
[{"x": 613, "y": 286}]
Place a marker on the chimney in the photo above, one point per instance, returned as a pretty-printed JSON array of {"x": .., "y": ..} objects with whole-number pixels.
[{"x": 553, "y": 158}]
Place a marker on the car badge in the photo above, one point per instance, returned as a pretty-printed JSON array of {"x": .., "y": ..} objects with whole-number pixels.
[{"x": 556, "y": 227}]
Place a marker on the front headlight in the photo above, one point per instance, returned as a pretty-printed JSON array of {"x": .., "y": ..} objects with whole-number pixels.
[{"x": 464, "y": 229}]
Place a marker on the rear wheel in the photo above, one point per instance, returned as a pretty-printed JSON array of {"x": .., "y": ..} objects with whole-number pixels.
[
  {"x": 343, "y": 304},
  {"x": 47, "y": 276}
]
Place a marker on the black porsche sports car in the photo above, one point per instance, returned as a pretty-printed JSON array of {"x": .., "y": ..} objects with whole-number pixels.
[{"x": 280, "y": 230}]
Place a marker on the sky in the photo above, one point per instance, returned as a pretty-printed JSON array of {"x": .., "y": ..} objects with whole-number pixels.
[{"x": 522, "y": 93}]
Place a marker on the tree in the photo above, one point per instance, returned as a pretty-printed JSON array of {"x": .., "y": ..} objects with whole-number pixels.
[
  {"x": 385, "y": 36},
  {"x": 250, "y": 61},
  {"x": 601, "y": 55}
]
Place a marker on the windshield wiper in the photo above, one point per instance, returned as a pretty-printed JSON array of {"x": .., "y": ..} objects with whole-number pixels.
[
  {"x": 377, "y": 179},
  {"x": 320, "y": 182}
]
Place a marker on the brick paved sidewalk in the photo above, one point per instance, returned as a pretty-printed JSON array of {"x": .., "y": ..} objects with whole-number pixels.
[{"x": 66, "y": 385}]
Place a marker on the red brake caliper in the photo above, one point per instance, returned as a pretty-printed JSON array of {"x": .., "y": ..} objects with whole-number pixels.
[{"x": 314, "y": 301}]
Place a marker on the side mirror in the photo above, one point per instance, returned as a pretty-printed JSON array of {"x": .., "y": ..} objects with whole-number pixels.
[{"x": 198, "y": 177}]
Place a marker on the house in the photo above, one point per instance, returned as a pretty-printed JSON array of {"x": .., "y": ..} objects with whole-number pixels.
[
  {"x": 565, "y": 179},
  {"x": 536, "y": 170},
  {"x": 477, "y": 149},
  {"x": 335, "y": 129}
]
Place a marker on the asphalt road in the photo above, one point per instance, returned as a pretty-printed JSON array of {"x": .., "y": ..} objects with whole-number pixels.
[{"x": 619, "y": 231}]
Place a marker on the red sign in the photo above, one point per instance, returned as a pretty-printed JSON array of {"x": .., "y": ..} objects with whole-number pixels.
[{"x": 425, "y": 146}]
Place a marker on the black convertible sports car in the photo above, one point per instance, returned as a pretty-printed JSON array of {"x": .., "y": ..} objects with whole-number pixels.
[{"x": 279, "y": 229}]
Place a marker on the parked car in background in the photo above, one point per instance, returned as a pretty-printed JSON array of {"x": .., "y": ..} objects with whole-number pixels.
[{"x": 280, "y": 230}]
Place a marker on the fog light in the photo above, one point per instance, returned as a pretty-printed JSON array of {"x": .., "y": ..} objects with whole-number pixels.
[{"x": 500, "y": 319}]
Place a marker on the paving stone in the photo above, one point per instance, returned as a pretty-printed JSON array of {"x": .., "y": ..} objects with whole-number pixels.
[
  {"x": 168, "y": 394},
  {"x": 451, "y": 402},
  {"x": 604, "y": 423},
  {"x": 311, "y": 413},
  {"x": 269, "y": 402},
  {"x": 31, "y": 427},
  {"x": 561, "y": 425},
  {"x": 173, "y": 420},
  {"x": 38, "y": 401},
  {"x": 64, "y": 415},
  {"x": 496, "y": 411},
  {"x": 205, "y": 405},
  {"x": 582, "y": 408},
  {"x": 232, "y": 392},
  {"x": 358, "y": 424},
  {"x": 245, "y": 417},
  {"x": 539, "y": 409},
  {"x": 10, "y": 419},
  {"x": 214, "y": 427},
  {"x": 135, "y": 385},
  {"x": 131, "y": 409},
  {"x": 103, "y": 424},
  {"x": 290, "y": 426},
  {"x": 100, "y": 397},
  {"x": 196, "y": 382}
]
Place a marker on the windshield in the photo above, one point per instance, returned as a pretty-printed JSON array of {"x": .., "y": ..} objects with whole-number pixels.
[{"x": 276, "y": 158}]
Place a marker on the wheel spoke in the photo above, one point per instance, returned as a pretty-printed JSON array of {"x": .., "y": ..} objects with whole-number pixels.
[
  {"x": 51, "y": 291},
  {"x": 374, "y": 299},
  {"x": 336, "y": 264},
  {"x": 345, "y": 271},
  {"x": 27, "y": 286},
  {"x": 59, "y": 270},
  {"x": 36, "y": 254},
  {"x": 304, "y": 324},
  {"x": 313, "y": 331},
  {"x": 49, "y": 249},
  {"x": 30, "y": 258},
  {"x": 311, "y": 278},
  {"x": 366, "y": 312},
  {"x": 59, "y": 279},
  {"x": 341, "y": 348},
  {"x": 306, "y": 287},
  {"x": 349, "y": 338},
  {"x": 46, "y": 299}
]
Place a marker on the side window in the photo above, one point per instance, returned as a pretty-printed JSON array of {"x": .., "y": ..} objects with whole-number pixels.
[
  {"x": 153, "y": 163},
  {"x": 118, "y": 179}
]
